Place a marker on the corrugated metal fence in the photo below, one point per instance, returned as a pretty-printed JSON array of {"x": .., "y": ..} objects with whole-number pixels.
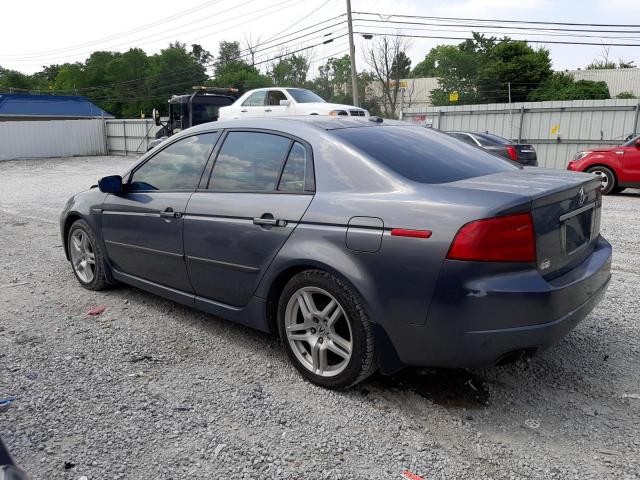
[
  {"x": 556, "y": 129},
  {"x": 53, "y": 138},
  {"x": 130, "y": 136}
]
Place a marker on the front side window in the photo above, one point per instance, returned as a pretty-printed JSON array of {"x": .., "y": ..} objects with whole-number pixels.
[
  {"x": 275, "y": 96},
  {"x": 249, "y": 162},
  {"x": 297, "y": 175},
  {"x": 255, "y": 100},
  {"x": 177, "y": 167}
]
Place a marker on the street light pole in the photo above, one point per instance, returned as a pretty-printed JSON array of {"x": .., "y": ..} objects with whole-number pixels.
[{"x": 352, "y": 51}]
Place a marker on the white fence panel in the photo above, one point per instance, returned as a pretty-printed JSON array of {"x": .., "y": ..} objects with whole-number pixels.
[
  {"x": 557, "y": 130},
  {"x": 130, "y": 136},
  {"x": 53, "y": 138}
]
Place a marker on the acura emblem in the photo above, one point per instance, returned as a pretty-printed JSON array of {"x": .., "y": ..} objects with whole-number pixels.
[{"x": 581, "y": 197}]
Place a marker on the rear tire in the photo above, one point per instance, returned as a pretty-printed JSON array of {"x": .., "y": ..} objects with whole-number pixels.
[
  {"x": 87, "y": 257},
  {"x": 607, "y": 176},
  {"x": 325, "y": 330}
]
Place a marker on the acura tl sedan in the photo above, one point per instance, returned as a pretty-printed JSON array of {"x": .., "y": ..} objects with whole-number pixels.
[{"x": 366, "y": 244}]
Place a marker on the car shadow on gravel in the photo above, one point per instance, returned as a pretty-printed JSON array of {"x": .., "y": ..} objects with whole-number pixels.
[{"x": 445, "y": 387}]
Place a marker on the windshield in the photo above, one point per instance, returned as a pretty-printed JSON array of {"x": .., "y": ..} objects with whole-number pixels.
[{"x": 301, "y": 95}]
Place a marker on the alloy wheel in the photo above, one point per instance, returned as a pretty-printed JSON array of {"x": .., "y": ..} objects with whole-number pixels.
[
  {"x": 318, "y": 331},
  {"x": 83, "y": 256},
  {"x": 603, "y": 178}
]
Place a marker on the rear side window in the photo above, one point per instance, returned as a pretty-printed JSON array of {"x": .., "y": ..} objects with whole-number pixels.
[
  {"x": 423, "y": 155},
  {"x": 249, "y": 162},
  {"x": 177, "y": 167},
  {"x": 255, "y": 100},
  {"x": 297, "y": 175}
]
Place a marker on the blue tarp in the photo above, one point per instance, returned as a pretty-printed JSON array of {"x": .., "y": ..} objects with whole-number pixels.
[{"x": 23, "y": 105}]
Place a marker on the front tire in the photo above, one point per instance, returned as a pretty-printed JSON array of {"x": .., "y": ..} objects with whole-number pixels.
[
  {"x": 325, "y": 330},
  {"x": 607, "y": 176},
  {"x": 87, "y": 258}
]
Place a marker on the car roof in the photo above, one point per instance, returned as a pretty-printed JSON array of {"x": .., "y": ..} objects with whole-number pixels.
[{"x": 321, "y": 122}]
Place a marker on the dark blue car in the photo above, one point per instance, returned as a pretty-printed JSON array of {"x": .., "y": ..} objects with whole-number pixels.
[{"x": 366, "y": 244}]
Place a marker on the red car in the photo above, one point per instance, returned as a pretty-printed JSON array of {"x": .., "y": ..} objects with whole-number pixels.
[{"x": 619, "y": 167}]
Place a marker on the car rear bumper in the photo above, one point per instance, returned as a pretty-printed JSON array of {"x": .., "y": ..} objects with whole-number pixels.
[{"x": 483, "y": 313}]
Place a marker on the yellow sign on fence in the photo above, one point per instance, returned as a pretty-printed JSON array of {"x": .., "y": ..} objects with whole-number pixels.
[{"x": 453, "y": 96}]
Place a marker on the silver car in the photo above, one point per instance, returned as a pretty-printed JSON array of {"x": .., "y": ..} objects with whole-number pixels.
[{"x": 366, "y": 244}]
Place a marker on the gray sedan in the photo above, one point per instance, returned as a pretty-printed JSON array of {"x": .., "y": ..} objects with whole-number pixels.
[{"x": 366, "y": 244}]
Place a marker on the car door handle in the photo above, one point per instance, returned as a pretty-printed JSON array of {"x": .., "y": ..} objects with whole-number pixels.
[
  {"x": 268, "y": 110},
  {"x": 244, "y": 110},
  {"x": 272, "y": 222},
  {"x": 169, "y": 213}
]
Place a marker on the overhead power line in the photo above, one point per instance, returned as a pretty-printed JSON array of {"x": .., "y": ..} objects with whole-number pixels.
[
  {"x": 391, "y": 15},
  {"x": 118, "y": 35},
  {"x": 495, "y": 26},
  {"x": 462, "y": 29},
  {"x": 601, "y": 44}
]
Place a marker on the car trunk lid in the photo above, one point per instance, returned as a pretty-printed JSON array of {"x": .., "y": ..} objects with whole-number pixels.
[
  {"x": 526, "y": 154},
  {"x": 565, "y": 208}
]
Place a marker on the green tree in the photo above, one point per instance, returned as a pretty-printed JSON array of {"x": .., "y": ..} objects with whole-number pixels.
[
  {"x": 427, "y": 67},
  {"x": 515, "y": 63},
  {"x": 625, "y": 95},
  {"x": 70, "y": 78},
  {"x": 401, "y": 66},
  {"x": 481, "y": 69},
  {"x": 290, "y": 71},
  {"x": 12, "y": 79},
  {"x": 228, "y": 52},
  {"x": 561, "y": 86},
  {"x": 240, "y": 75}
]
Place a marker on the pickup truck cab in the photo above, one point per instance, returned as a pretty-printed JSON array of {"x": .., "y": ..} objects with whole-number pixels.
[{"x": 619, "y": 167}]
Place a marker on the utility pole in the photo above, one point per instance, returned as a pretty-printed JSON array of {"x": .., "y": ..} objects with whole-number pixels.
[
  {"x": 352, "y": 54},
  {"x": 510, "y": 115}
]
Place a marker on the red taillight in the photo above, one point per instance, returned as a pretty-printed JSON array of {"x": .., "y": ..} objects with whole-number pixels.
[
  {"x": 501, "y": 239},
  {"x": 513, "y": 153}
]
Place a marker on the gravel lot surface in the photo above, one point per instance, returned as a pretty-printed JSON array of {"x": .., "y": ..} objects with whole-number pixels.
[{"x": 154, "y": 390}]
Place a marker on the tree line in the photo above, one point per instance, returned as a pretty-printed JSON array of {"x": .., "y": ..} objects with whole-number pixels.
[{"x": 480, "y": 70}]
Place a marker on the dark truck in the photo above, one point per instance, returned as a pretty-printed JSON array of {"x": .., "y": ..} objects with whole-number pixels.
[{"x": 193, "y": 109}]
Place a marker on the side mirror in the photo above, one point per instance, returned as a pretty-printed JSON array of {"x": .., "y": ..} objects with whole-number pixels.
[
  {"x": 110, "y": 184},
  {"x": 637, "y": 143},
  {"x": 285, "y": 103},
  {"x": 156, "y": 116}
]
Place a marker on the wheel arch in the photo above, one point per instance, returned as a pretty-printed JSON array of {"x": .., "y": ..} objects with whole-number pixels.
[
  {"x": 387, "y": 357},
  {"x": 603, "y": 165},
  {"x": 71, "y": 218}
]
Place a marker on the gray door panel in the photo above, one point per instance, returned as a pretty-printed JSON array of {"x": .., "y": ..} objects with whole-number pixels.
[
  {"x": 226, "y": 250},
  {"x": 143, "y": 243}
]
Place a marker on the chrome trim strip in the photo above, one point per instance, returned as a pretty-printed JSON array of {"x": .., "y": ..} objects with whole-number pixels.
[
  {"x": 143, "y": 249},
  {"x": 577, "y": 212},
  {"x": 235, "y": 266}
]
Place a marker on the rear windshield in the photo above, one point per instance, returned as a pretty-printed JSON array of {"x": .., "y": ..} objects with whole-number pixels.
[
  {"x": 424, "y": 155},
  {"x": 492, "y": 139}
]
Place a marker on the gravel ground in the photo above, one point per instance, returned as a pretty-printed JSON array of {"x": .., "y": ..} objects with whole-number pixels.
[{"x": 152, "y": 389}]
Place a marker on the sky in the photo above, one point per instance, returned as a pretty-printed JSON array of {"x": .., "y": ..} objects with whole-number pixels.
[{"x": 44, "y": 32}]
